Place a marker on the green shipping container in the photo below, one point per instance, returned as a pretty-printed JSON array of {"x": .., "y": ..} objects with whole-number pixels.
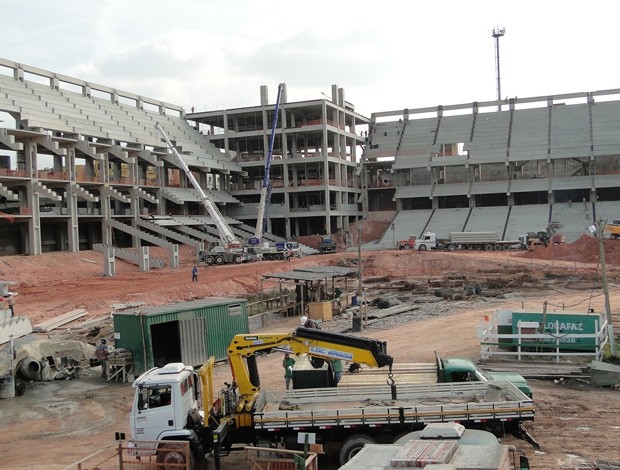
[{"x": 187, "y": 332}]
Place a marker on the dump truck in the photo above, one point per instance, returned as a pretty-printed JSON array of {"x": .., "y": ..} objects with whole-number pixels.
[
  {"x": 176, "y": 402},
  {"x": 487, "y": 241},
  {"x": 443, "y": 370},
  {"x": 440, "y": 445}
]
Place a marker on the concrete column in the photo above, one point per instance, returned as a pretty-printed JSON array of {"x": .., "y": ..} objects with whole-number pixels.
[
  {"x": 144, "y": 259},
  {"x": 73, "y": 221},
  {"x": 34, "y": 224},
  {"x": 109, "y": 261},
  {"x": 264, "y": 95}
]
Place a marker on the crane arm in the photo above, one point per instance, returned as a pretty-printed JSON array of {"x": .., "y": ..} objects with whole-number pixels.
[
  {"x": 226, "y": 235},
  {"x": 316, "y": 343},
  {"x": 265, "y": 192}
]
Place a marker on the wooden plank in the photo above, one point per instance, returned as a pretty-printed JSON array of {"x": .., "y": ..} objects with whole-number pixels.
[
  {"x": 60, "y": 320},
  {"x": 357, "y": 380}
]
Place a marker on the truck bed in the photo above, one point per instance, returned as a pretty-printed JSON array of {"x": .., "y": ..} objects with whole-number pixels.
[{"x": 373, "y": 405}]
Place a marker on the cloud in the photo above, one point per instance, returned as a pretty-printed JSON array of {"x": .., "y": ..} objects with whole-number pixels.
[{"x": 308, "y": 58}]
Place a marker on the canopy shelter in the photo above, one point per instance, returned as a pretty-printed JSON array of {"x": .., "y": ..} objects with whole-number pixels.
[{"x": 312, "y": 284}]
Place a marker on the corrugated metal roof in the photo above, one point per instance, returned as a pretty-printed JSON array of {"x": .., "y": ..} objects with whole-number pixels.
[
  {"x": 296, "y": 276},
  {"x": 334, "y": 271},
  {"x": 313, "y": 273},
  {"x": 181, "y": 306}
]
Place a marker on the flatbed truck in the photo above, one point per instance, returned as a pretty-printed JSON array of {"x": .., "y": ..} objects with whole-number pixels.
[
  {"x": 177, "y": 403},
  {"x": 443, "y": 370}
]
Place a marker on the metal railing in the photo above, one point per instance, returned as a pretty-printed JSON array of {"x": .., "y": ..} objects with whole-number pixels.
[{"x": 146, "y": 455}]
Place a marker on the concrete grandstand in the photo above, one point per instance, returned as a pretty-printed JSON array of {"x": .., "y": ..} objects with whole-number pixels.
[{"x": 82, "y": 165}]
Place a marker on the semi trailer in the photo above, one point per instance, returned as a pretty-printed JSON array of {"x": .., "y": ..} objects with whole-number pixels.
[{"x": 487, "y": 241}]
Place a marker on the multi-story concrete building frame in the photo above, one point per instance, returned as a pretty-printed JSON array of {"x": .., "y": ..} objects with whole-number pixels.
[{"x": 315, "y": 166}]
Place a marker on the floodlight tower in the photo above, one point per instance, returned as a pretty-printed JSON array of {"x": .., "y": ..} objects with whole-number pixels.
[{"x": 498, "y": 33}]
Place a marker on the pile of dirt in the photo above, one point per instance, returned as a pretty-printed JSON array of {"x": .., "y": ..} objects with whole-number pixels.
[
  {"x": 584, "y": 250},
  {"x": 371, "y": 230}
]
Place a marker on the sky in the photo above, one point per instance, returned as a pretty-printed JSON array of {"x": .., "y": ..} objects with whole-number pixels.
[{"x": 386, "y": 55}]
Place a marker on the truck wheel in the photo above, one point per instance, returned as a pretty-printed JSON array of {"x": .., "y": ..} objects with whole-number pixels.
[
  {"x": 238, "y": 259},
  {"x": 451, "y": 247},
  {"x": 505, "y": 247},
  {"x": 352, "y": 445},
  {"x": 210, "y": 260},
  {"x": 422, "y": 248},
  {"x": 219, "y": 259},
  {"x": 488, "y": 247},
  {"x": 172, "y": 456},
  {"x": 406, "y": 246},
  {"x": 497, "y": 247}
]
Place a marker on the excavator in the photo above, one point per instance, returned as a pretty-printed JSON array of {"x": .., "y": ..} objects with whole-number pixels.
[
  {"x": 544, "y": 237},
  {"x": 612, "y": 229}
]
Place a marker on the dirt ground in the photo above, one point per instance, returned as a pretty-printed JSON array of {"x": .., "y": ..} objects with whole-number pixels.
[{"x": 57, "y": 423}]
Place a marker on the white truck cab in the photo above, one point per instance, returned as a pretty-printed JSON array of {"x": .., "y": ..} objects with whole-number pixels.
[
  {"x": 164, "y": 397},
  {"x": 428, "y": 241}
]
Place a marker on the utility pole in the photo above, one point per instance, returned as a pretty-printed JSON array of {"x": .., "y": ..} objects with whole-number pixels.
[
  {"x": 498, "y": 33},
  {"x": 598, "y": 231}
]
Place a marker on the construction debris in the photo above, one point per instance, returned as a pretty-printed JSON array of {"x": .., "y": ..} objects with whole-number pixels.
[{"x": 63, "y": 319}]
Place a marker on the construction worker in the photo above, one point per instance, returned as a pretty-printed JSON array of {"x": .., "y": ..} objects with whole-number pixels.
[
  {"x": 288, "y": 362},
  {"x": 102, "y": 355},
  {"x": 309, "y": 323},
  {"x": 11, "y": 301},
  {"x": 337, "y": 366}
]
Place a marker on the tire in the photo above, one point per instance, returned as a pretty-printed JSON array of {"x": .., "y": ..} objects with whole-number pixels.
[
  {"x": 238, "y": 259},
  {"x": 422, "y": 247},
  {"x": 171, "y": 457},
  {"x": 267, "y": 257},
  {"x": 219, "y": 259},
  {"x": 488, "y": 247},
  {"x": 505, "y": 247},
  {"x": 210, "y": 260},
  {"x": 497, "y": 247},
  {"x": 451, "y": 247},
  {"x": 406, "y": 246},
  {"x": 352, "y": 445}
]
